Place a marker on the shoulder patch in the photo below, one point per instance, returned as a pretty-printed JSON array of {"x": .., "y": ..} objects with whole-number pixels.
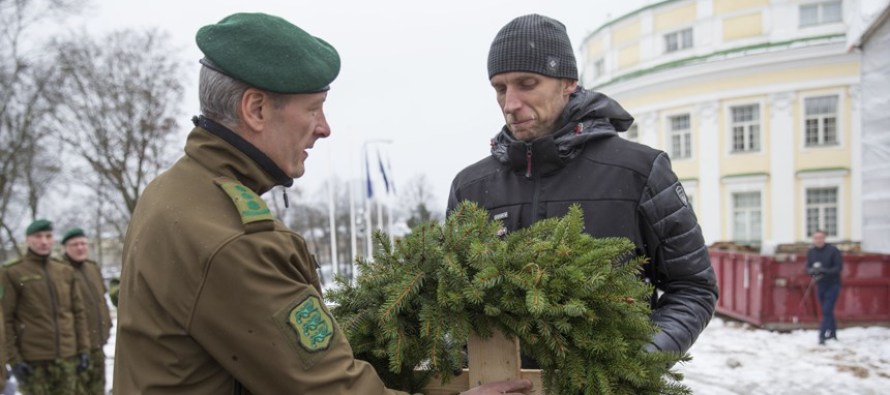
[
  {"x": 11, "y": 261},
  {"x": 250, "y": 206},
  {"x": 308, "y": 326}
]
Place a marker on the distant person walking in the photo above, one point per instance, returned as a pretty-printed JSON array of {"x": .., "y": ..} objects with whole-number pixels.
[{"x": 824, "y": 263}]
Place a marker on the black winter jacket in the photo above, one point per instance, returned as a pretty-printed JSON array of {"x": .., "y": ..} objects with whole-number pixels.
[{"x": 625, "y": 190}]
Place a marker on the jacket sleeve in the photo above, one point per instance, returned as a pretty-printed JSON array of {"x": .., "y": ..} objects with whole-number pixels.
[
  {"x": 81, "y": 326},
  {"x": 680, "y": 266},
  {"x": 10, "y": 299},
  {"x": 837, "y": 263},
  {"x": 260, "y": 315}
]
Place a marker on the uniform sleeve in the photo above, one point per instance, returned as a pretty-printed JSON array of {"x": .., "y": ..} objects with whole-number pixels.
[
  {"x": 10, "y": 299},
  {"x": 80, "y": 314},
  {"x": 681, "y": 264},
  {"x": 259, "y": 316}
]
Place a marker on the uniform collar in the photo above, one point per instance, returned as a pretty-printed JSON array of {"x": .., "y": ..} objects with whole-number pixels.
[{"x": 217, "y": 148}]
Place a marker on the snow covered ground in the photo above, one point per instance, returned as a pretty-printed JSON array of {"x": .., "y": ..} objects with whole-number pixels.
[{"x": 737, "y": 359}]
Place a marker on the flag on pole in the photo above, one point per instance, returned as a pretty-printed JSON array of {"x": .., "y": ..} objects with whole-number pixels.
[
  {"x": 383, "y": 172},
  {"x": 370, "y": 186}
]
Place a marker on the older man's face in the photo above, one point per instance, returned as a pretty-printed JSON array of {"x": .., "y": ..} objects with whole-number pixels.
[
  {"x": 41, "y": 242},
  {"x": 292, "y": 130},
  {"x": 77, "y": 248}
]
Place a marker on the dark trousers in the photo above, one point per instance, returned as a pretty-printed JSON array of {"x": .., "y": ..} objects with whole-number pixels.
[{"x": 827, "y": 297}]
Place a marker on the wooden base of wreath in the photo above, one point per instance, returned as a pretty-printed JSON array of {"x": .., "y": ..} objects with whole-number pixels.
[{"x": 492, "y": 359}]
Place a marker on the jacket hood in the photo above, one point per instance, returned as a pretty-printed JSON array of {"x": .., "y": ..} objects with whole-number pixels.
[{"x": 588, "y": 115}]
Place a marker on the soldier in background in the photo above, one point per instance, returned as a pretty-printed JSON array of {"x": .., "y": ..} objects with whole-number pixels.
[
  {"x": 76, "y": 247},
  {"x": 45, "y": 322}
]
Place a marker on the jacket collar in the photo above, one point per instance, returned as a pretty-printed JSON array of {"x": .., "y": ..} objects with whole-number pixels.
[
  {"x": 588, "y": 115},
  {"x": 217, "y": 148},
  {"x": 33, "y": 256}
]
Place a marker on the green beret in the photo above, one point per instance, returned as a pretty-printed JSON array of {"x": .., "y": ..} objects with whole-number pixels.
[
  {"x": 269, "y": 53},
  {"x": 72, "y": 233},
  {"x": 39, "y": 225}
]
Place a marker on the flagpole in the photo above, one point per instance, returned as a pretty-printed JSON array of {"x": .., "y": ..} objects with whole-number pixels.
[
  {"x": 333, "y": 222},
  {"x": 352, "y": 235},
  {"x": 370, "y": 196}
]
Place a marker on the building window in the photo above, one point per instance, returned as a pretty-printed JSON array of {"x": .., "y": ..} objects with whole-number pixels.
[
  {"x": 599, "y": 68},
  {"x": 678, "y": 40},
  {"x": 746, "y": 218},
  {"x": 814, "y": 14},
  {"x": 681, "y": 136},
  {"x": 745, "y": 128},
  {"x": 821, "y": 120},
  {"x": 633, "y": 133},
  {"x": 822, "y": 210}
]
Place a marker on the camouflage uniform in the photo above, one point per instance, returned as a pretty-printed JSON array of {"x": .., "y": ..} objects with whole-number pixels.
[{"x": 52, "y": 378}]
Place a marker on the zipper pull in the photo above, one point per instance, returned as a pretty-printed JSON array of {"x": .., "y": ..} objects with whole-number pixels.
[{"x": 528, "y": 158}]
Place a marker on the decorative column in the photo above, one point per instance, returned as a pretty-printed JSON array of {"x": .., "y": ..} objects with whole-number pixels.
[
  {"x": 855, "y": 203},
  {"x": 782, "y": 151},
  {"x": 709, "y": 170}
]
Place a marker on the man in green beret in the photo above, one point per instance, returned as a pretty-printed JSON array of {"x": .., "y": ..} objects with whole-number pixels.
[
  {"x": 77, "y": 251},
  {"x": 47, "y": 341},
  {"x": 217, "y": 296}
]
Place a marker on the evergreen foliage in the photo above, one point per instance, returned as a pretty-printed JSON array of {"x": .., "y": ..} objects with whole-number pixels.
[{"x": 576, "y": 304}]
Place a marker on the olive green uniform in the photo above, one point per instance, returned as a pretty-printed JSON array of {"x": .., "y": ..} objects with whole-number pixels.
[
  {"x": 216, "y": 297},
  {"x": 92, "y": 380},
  {"x": 45, "y": 322}
]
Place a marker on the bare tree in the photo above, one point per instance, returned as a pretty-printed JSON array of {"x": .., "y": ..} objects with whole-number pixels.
[
  {"x": 417, "y": 196},
  {"x": 26, "y": 93},
  {"x": 122, "y": 93}
]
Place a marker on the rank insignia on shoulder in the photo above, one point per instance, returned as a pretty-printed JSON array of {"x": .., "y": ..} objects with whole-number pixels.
[
  {"x": 312, "y": 324},
  {"x": 251, "y": 206}
]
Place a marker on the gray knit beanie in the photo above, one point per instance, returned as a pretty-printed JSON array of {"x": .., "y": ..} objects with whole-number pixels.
[{"x": 533, "y": 43}]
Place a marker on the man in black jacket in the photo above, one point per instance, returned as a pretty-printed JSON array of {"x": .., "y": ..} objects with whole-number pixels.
[
  {"x": 825, "y": 264},
  {"x": 559, "y": 147}
]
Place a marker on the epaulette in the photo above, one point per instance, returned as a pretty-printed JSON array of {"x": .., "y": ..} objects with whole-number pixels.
[
  {"x": 255, "y": 215},
  {"x": 12, "y": 261}
]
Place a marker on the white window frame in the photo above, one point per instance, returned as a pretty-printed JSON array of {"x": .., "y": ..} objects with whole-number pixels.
[
  {"x": 733, "y": 185},
  {"x": 679, "y": 35},
  {"x": 599, "y": 68},
  {"x": 669, "y": 132},
  {"x": 728, "y": 125},
  {"x": 820, "y": 13},
  {"x": 760, "y": 212},
  {"x": 632, "y": 133},
  {"x": 840, "y": 119},
  {"x": 824, "y": 179}
]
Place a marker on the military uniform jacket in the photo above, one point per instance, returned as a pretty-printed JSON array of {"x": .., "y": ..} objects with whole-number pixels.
[
  {"x": 216, "y": 297},
  {"x": 95, "y": 305},
  {"x": 44, "y": 311}
]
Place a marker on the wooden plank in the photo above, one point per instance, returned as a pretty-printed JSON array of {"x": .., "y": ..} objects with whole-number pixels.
[{"x": 492, "y": 359}]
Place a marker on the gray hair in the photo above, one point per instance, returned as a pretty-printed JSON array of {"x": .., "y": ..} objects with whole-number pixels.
[{"x": 220, "y": 97}]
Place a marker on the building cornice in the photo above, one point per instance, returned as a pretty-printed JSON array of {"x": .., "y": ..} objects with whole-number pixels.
[{"x": 735, "y": 53}]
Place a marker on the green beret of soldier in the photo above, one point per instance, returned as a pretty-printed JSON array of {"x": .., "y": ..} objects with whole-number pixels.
[
  {"x": 39, "y": 225},
  {"x": 72, "y": 233},
  {"x": 269, "y": 53}
]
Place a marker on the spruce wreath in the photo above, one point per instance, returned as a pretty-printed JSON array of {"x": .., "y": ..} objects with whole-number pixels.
[{"x": 576, "y": 304}]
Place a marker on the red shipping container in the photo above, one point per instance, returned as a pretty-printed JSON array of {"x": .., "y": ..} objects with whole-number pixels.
[{"x": 776, "y": 292}]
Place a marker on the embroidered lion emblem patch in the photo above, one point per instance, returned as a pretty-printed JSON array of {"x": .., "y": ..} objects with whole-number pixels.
[{"x": 312, "y": 323}]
